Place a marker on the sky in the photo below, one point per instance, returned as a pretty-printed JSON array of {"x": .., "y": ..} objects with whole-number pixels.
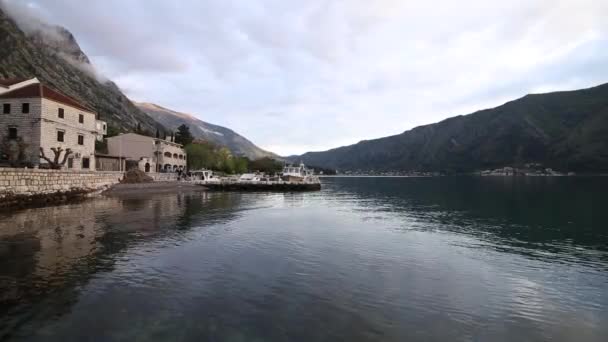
[{"x": 296, "y": 76}]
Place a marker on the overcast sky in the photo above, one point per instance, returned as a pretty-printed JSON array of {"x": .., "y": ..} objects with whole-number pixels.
[{"x": 295, "y": 76}]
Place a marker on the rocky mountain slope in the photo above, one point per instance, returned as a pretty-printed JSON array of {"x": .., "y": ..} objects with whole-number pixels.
[
  {"x": 203, "y": 130},
  {"x": 52, "y": 54},
  {"x": 564, "y": 130}
]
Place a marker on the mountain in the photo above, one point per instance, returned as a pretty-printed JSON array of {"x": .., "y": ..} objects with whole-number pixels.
[
  {"x": 206, "y": 131},
  {"x": 563, "y": 130},
  {"x": 52, "y": 54}
]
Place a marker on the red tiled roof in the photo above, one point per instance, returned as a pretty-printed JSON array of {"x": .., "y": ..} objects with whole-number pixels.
[
  {"x": 6, "y": 82},
  {"x": 32, "y": 90},
  {"x": 40, "y": 90}
]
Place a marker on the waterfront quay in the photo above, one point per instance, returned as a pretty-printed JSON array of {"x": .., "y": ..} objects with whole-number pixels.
[{"x": 235, "y": 185}]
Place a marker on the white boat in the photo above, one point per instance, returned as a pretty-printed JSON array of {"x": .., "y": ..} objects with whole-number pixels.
[
  {"x": 299, "y": 173},
  {"x": 249, "y": 177},
  {"x": 203, "y": 176}
]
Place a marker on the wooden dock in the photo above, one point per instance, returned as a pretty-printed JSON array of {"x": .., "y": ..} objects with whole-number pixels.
[{"x": 261, "y": 186}]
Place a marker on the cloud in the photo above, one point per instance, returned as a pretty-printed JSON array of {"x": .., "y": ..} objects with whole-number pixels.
[{"x": 299, "y": 75}]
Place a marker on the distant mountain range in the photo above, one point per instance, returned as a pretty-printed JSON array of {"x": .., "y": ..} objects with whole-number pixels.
[
  {"x": 563, "y": 130},
  {"x": 52, "y": 54},
  {"x": 206, "y": 131}
]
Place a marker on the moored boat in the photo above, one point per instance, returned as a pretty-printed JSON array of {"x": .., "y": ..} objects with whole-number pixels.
[{"x": 299, "y": 174}]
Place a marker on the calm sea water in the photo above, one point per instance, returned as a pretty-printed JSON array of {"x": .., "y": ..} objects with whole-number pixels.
[{"x": 365, "y": 259}]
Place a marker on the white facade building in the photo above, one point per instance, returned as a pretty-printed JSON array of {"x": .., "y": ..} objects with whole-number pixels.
[
  {"x": 151, "y": 154},
  {"x": 34, "y": 117}
]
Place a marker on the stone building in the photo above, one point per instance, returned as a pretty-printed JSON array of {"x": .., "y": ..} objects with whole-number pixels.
[
  {"x": 34, "y": 116},
  {"x": 105, "y": 162},
  {"x": 151, "y": 154}
]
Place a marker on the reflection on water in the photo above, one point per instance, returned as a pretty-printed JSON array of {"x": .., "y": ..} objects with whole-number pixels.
[
  {"x": 365, "y": 259},
  {"x": 529, "y": 215}
]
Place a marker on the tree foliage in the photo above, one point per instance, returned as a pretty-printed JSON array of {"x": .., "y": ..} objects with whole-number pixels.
[
  {"x": 13, "y": 152},
  {"x": 266, "y": 165},
  {"x": 206, "y": 155},
  {"x": 183, "y": 135},
  {"x": 201, "y": 155}
]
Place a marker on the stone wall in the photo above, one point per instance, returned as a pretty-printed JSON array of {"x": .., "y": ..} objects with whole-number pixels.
[
  {"x": 27, "y": 125},
  {"x": 72, "y": 128},
  {"x": 39, "y": 127},
  {"x": 17, "y": 185}
]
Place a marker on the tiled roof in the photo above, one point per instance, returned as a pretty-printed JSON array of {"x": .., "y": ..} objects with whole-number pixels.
[
  {"x": 7, "y": 82},
  {"x": 40, "y": 90}
]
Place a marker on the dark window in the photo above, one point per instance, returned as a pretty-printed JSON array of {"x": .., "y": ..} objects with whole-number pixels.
[
  {"x": 85, "y": 163},
  {"x": 80, "y": 118},
  {"x": 6, "y": 108},
  {"x": 80, "y": 139},
  {"x": 25, "y": 108},
  {"x": 60, "y": 113},
  {"x": 60, "y": 135},
  {"x": 12, "y": 133},
  {"x": 70, "y": 163},
  {"x": 104, "y": 127}
]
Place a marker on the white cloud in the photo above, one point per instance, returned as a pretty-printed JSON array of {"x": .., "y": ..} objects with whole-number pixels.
[{"x": 335, "y": 72}]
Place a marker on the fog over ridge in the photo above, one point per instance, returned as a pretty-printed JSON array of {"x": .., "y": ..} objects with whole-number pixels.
[{"x": 298, "y": 76}]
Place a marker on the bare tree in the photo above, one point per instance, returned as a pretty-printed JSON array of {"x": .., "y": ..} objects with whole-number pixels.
[{"x": 55, "y": 163}]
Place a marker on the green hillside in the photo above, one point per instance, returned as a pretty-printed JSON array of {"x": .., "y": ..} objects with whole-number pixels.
[{"x": 563, "y": 130}]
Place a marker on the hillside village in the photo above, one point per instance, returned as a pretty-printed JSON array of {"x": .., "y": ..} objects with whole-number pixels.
[
  {"x": 55, "y": 146},
  {"x": 50, "y": 130}
]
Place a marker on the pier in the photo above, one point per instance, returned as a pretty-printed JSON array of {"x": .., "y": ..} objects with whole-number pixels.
[
  {"x": 261, "y": 186},
  {"x": 293, "y": 178}
]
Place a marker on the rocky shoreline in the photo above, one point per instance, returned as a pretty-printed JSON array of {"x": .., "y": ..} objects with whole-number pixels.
[
  {"x": 10, "y": 201},
  {"x": 21, "y": 201}
]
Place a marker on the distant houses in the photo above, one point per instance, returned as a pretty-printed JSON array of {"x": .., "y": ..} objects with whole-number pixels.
[
  {"x": 149, "y": 154},
  {"x": 41, "y": 127}
]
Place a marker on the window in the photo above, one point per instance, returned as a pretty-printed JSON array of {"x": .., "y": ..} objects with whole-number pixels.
[
  {"x": 80, "y": 118},
  {"x": 104, "y": 127},
  {"x": 70, "y": 163},
  {"x": 60, "y": 113},
  {"x": 6, "y": 108},
  {"x": 85, "y": 163},
  {"x": 12, "y": 133},
  {"x": 60, "y": 136},
  {"x": 80, "y": 139},
  {"x": 25, "y": 108}
]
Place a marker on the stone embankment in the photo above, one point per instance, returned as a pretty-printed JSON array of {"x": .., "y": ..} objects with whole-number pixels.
[{"x": 20, "y": 187}]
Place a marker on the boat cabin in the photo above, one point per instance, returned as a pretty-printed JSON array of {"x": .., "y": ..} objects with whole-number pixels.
[
  {"x": 202, "y": 175},
  {"x": 296, "y": 171}
]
